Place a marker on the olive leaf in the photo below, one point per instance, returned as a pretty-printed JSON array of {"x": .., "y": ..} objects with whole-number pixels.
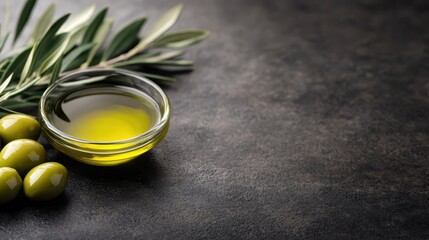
[
  {"x": 149, "y": 59},
  {"x": 75, "y": 54},
  {"x": 55, "y": 27},
  {"x": 56, "y": 70},
  {"x": 76, "y": 26},
  {"x": 124, "y": 39},
  {"x": 93, "y": 27},
  {"x": 183, "y": 63},
  {"x": 84, "y": 81},
  {"x": 45, "y": 53},
  {"x": 19, "y": 89},
  {"x": 24, "y": 16},
  {"x": 32, "y": 98},
  {"x": 181, "y": 39},
  {"x": 3, "y": 40},
  {"x": 164, "y": 23},
  {"x": 17, "y": 63},
  {"x": 162, "y": 56},
  {"x": 6, "y": 111},
  {"x": 56, "y": 55},
  {"x": 17, "y": 104},
  {"x": 74, "y": 37},
  {"x": 4, "y": 63},
  {"x": 5, "y": 83},
  {"x": 28, "y": 64},
  {"x": 43, "y": 23},
  {"x": 77, "y": 20},
  {"x": 98, "y": 40},
  {"x": 49, "y": 43}
]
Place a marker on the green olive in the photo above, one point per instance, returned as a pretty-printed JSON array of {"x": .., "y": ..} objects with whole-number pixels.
[
  {"x": 46, "y": 181},
  {"x": 18, "y": 126},
  {"x": 22, "y": 155},
  {"x": 10, "y": 184}
]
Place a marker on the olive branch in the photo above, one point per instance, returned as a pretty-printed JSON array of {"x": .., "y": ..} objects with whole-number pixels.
[{"x": 77, "y": 42}]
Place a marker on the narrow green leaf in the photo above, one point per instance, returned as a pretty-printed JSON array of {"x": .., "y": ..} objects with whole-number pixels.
[
  {"x": 4, "y": 63},
  {"x": 56, "y": 70},
  {"x": 17, "y": 104},
  {"x": 43, "y": 23},
  {"x": 47, "y": 49},
  {"x": 75, "y": 35},
  {"x": 24, "y": 16},
  {"x": 33, "y": 94},
  {"x": 28, "y": 64},
  {"x": 157, "y": 78},
  {"x": 164, "y": 23},
  {"x": 11, "y": 87},
  {"x": 157, "y": 59},
  {"x": 51, "y": 60},
  {"x": 8, "y": 111},
  {"x": 77, "y": 62},
  {"x": 98, "y": 40},
  {"x": 184, "y": 63},
  {"x": 148, "y": 54},
  {"x": 93, "y": 27},
  {"x": 54, "y": 29},
  {"x": 127, "y": 63},
  {"x": 50, "y": 41},
  {"x": 19, "y": 90},
  {"x": 5, "y": 83},
  {"x": 84, "y": 81},
  {"x": 77, "y": 20},
  {"x": 181, "y": 39},
  {"x": 3, "y": 41},
  {"x": 124, "y": 39},
  {"x": 74, "y": 54},
  {"x": 17, "y": 64},
  {"x": 163, "y": 56},
  {"x": 35, "y": 98}
]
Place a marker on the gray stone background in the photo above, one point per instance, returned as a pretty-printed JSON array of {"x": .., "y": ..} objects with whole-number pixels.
[{"x": 303, "y": 119}]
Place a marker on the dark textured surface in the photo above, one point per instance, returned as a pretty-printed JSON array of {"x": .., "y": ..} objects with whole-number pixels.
[{"x": 302, "y": 120}]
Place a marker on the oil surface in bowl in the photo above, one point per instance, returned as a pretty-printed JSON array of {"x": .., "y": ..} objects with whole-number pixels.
[{"x": 106, "y": 114}]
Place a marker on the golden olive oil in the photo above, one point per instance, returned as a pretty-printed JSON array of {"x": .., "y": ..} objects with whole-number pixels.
[
  {"x": 104, "y": 117},
  {"x": 106, "y": 114}
]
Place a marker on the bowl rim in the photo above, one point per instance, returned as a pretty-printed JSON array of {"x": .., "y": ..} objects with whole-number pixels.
[{"x": 152, "y": 132}]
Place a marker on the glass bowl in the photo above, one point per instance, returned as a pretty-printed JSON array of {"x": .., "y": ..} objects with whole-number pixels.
[{"x": 103, "y": 153}]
